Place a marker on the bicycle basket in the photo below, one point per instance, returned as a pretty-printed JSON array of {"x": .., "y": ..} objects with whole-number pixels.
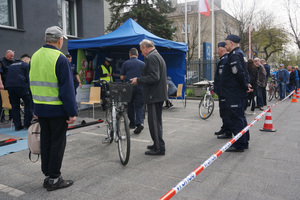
[{"x": 120, "y": 92}]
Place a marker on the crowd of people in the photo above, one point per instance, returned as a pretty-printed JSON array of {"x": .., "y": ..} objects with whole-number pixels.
[{"x": 47, "y": 82}]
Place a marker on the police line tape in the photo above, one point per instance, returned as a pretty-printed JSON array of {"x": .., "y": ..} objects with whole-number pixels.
[{"x": 214, "y": 157}]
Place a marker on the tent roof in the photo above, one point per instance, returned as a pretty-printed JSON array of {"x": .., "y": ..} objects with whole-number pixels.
[{"x": 129, "y": 33}]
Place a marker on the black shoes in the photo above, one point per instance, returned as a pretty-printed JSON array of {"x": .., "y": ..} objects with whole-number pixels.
[
  {"x": 19, "y": 128},
  {"x": 220, "y": 132},
  {"x": 153, "y": 152},
  {"x": 225, "y": 136},
  {"x": 61, "y": 183},
  {"x": 233, "y": 149},
  {"x": 139, "y": 129},
  {"x": 150, "y": 147}
]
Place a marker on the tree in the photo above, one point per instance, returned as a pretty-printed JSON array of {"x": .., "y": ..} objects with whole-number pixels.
[
  {"x": 245, "y": 15},
  {"x": 292, "y": 8},
  {"x": 192, "y": 33},
  {"x": 268, "y": 39},
  {"x": 150, "y": 14}
]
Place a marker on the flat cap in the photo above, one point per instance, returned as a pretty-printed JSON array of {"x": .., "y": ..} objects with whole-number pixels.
[
  {"x": 221, "y": 44},
  {"x": 108, "y": 59},
  {"x": 55, "y": 31},
  {"x": 281, "y": 65},
  {"x": 233, "y": 38}
]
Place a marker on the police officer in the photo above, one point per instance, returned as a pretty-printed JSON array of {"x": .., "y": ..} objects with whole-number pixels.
[
  {"x": 6, "y": 61},
  {"x": 225, "y": 129},
  {"x": 106, "y": 70},
  {"x": 130, "y": 69},
  {"x": 17, "y": 84},
  {"x": 234, "y": 87}
]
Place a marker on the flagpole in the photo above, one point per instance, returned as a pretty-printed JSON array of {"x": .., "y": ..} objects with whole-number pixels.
[
  {"x": 212, "y": 36},
  {"x": 199, "y": 35},
  {"x": 199, "y": 44},
  {"x": 250, "y": 41},
  {"x": 185, "y": 21}
]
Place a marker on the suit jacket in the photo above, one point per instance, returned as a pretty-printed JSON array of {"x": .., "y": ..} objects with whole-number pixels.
[{"x": 154, "y": 78}]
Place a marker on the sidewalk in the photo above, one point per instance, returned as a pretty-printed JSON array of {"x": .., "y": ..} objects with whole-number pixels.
[{"x": 269, "y": 169}]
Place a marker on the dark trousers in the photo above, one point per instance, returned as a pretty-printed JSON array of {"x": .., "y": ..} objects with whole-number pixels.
[
  {"x": 259, "y": 97},
  {"x": 53, "y": 143},
  {"x": 235, "y": 108},
  {"x": 251, "y": 100},
  {"x": 155, "y": 124},
  {"x": 264, "y": 95},
  {"x": 15, "y": 94},
  {"x": 226, "y": 122},
  {"x": 135, "y": 109}
]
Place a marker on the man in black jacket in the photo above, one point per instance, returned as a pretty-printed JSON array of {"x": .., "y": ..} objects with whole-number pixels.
[{"x": 154, "y": 82}]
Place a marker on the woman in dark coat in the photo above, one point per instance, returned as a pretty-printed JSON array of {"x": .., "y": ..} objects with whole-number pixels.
[{"x": 253, "y": 73}]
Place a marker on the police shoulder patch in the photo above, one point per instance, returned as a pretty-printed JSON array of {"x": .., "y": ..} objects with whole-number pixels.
[
  {"x": 245, "y": 59},
  {"x": 234, "y": 69}
]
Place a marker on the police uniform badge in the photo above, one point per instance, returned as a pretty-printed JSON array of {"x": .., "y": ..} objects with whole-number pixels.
[
  {"x": 234, "y": 69},
  {"x": 220, "y": 71}
]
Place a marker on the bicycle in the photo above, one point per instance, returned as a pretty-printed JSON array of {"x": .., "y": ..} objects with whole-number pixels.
[
  {"x": 117, "y": 96},
  {"x": 273, "y": 89},
  {"x": 206, "y": 105}
]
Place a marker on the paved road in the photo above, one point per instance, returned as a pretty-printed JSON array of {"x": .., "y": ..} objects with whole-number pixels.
[{"x": 269, "y": 169}]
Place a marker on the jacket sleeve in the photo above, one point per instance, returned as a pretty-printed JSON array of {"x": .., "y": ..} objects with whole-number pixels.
[
  {"x": 153, "y": 74},
  {"x": 237, "y": 69},
  {"x": 66, "y": 86}
]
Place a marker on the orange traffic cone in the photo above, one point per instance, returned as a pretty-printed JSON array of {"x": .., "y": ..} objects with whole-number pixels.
[
  {"x": 294, "y": 98},
  {"x": 268, "y": 126},
  {"x": 297, "y": 94}
]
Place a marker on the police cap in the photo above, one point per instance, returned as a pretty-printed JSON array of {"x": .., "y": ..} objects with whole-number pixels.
[
  {"x": 233, "y": 38},
  {"x": 221, "y": 44},
  {"x": 108, "y": 59}
]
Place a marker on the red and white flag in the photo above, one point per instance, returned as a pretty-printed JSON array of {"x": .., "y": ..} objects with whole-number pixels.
[{"x": 204, "y": 8}]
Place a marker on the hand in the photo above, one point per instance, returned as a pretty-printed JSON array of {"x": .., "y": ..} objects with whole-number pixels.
[
  {"x": 36, "y": 117},
  {"x": 80, "y": 85},
  {"x": 108, "y": 74},
  {"x": 71, "y": 120},
  {"x": 134, "y": 81},
  {"x": 1, "y": 86}
]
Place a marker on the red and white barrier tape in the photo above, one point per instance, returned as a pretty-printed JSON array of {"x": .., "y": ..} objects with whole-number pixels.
[{"x": 214, "y": 157}]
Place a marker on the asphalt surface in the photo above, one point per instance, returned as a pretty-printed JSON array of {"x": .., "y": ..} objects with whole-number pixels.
[{"x": 268, "y": 170}]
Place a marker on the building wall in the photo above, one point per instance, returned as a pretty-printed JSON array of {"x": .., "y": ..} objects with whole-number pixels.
[{"x": 33, "y": 17}]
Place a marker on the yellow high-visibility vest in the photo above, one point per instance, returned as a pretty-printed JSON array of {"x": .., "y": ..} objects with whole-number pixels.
[
  {"x": 105, "y": 71},
  {"x": 43, "y": 80}
]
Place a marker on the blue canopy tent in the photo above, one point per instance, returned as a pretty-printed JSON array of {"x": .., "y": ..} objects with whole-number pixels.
[{"x": 117, "y": 44}]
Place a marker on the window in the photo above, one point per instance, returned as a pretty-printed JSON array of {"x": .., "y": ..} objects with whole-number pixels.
[
  {"x": 183, "y": 28},
  {"x": 188, "y": 8},
  {"x": 8, "y": 13},
  {"x": 67, "y": 16}
]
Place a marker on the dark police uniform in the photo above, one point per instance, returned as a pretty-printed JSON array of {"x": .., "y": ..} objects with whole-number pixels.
[
  {"x": 4, "y": 64},
  {"x": 17, "y": 84},
  {"x": 130, "y": 69},
  {"x": 222, "y": 105},
  {"x": 234, "y": 87}
]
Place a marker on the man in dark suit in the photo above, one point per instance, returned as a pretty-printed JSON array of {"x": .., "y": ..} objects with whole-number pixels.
[{"x": 154, "y": 82}]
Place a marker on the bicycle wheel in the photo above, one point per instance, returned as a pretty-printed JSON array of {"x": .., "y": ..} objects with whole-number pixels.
[
  {"x": 206, "y": 107},
  {"x": 276, "y": 93},
  {"x": 109, "y": 130},
  {"x": 271, "y": 93},
  {"x": 123, "y": 133}
]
